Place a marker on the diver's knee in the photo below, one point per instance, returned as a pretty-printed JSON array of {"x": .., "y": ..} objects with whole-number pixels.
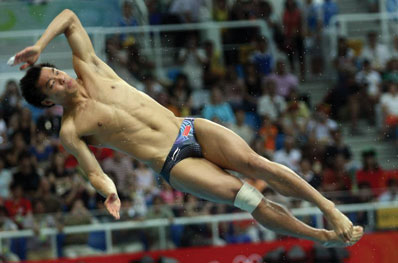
[{"x": 248, "y": 198}]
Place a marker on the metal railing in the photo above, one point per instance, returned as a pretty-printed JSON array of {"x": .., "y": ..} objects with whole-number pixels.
[
  {"x": 162, "y": 224},
  {"x": 150, "y": 37}
]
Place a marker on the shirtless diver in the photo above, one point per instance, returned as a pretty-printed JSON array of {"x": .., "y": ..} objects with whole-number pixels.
[{"x": 192, "y": 155}]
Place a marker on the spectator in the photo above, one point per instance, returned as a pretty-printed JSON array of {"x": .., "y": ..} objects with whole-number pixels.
[
  {"x": 27, "y": 175},
  {"x": 3, "y": 131},
  {"x": 18, "y": 206},
  {"x": 336, "y": 147},
  {"x": 145, "y": 179},
  {"x": 76, "y": 245},
  {"x": 234, "y": 88},
  {"x": 155, "y": 15},
  {"x": 169, "y": 195},
  {"x": 370, "y": 80},
  {"x": 241, "y": 128},
  {"x": 284, "y": 81},
  {"x": 218, "y": 109},
  {"x": 10, "y": 100},
  {"x": 313, "y": 35},
  {"x": 159, "y": 209},
  {"x": 5, "y": 180},
  {"x": 329, "y": 9},
  {"x": 392, "y": 6},
  {"x": 268, "y": 133},
  {"x": 127, "y": 19},
  {"x": 136, "y": 63},
  {"x": 391, "y": 193},
  {"x": 151, "y": 86},
  {"x": 44, "y": 195},
  {"x": 307, "y": 173},
  {"x": 336, "y": 178},
  {"x": 389, "y": 104},
  {"x": 188, "y": 11},
  {"x": 321, "y": 126},
  {"x": 344, "y": 59},
  {"x": 253, "y": 87},
  {"x": 192, "y": 60},
  {"x": 27, "y": 126},
  {"x": 394, "y": 51},
  {"x": 18, "y": 146},
  {"x": 262, "y": 58},
  {"x": 41, "y": 148},
  {"x": 377, "y": 53},
  {"x": 296, "y": 116},
  {"x": 180, "y": 94},
  {"x": 270, "y": 103},
  {"x": 289, "y": 155},
  {"x": 391, "y": 72},
  {"x": 371, "y": 173},
  {"x": 293, "y": 32},
  {"x": 220, "y": 10},
  {"x": 213, "y": 66},
  {"x": 49, "y": 122}
]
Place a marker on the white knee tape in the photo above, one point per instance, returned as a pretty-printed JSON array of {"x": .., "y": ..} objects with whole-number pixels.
[{"x": 248, "y": 198}]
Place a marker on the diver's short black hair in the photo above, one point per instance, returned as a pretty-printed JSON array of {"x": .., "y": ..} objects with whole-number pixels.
[{"x": 33, "y": 94}]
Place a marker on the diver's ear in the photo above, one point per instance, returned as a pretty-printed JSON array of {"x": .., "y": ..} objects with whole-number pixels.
[{"x": 47, "y": 103}]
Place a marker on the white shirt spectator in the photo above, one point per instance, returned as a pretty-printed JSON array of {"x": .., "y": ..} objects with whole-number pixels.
[
  {"x": 193, "y": 67},
  {"x": 243, "y": 131},
  {"x": 291, "y": 159},
  {"x": 122, "y": 168},
  {"x": 187, "y": 7},
  {"x": 372, "y": 79},
  {"x": 390, "y": 103},
  {"x": 322, "y": 130},
  {"x": 377, "y": 56},
  {"x": 271, "y": 106},
  {"x": 5, "y": 181}
]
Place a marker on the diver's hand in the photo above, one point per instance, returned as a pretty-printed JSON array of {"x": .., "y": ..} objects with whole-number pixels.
[
  {"x": 112, "y": 203},
  {"x": 29, "y": 55}
]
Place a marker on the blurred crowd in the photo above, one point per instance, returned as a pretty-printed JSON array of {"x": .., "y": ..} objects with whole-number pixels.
[{"x": 251, "y": 90}]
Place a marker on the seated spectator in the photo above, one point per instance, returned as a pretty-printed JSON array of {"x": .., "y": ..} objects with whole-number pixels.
[
  {"x": 27, "y": 175},
  {"x": 220, "y": 11},
  {"x": 192, "y": 59},
  {"x": 127, "y": 19},
  {"x": 308, "y": 174},
  {"x": 18, "y": 206},
  {"x": 392, "y": 6},
  {"x": 10, "y": 100},
  {"x": 321, "y": 126},
  {"x": 343, "y": 59},
  {"x": 270, "y": 103},
  {"x": 241, "y": 128},
  {"x": 151, "y": 86},
  {"x": 296, "y": 116},
  {"x": 159, "y": 209},
  {"x": 268, "y": 133},
  {"x": 188, "y": 11},
  {"x": 75, "y": 245},
  {"x": 3, "y": 131},
  {"x": 5, "y": 180},
  {"x": 371, "y": 173},
  {"x": 145, "y": 179},
  {"x": 370, "y": 81},
  {"x": 377, "y": 53},
  {"x": 337, "y": 178},
  {"x": 284, "y": 80},
  {"x": 218, "y": 108},
  {"x": 262, "y": 58},
  {"x": 289, "y": 155},
  {"x": 391, "y": 72},
  {"x": 49, "y": 122},
  {"x": 155, "y": 15},
  {"x": 235, "y": 89},
  {"x": 329, "y": 9},
  {"x": 27, "y": 126},
  {"x": 394, "y": 50},
  {"x": 44, "y": 195},
  {"x": 389, "y": 104},
  {"x": 335, "y": 147},
  {"x": 293, "y": 32},
  {"x": 213, "y": 66},
  {"x": 41, "y": 147},
  {"x": 253, "y": 87},
  {"x": 169, "y": 195},
  {"x": 180, "y": 93},
  {"x": 391, "y": 193},
  {"x": 18, "y": 147}
]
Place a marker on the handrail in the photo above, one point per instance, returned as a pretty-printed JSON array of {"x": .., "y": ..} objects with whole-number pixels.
[{"x": 347, "y": 208}]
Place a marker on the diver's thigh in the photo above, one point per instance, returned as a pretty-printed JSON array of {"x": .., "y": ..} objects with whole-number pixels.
[{"x": 204, "y": 179}]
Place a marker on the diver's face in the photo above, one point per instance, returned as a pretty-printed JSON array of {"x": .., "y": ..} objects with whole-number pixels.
[{"x": 56, "y": 84}]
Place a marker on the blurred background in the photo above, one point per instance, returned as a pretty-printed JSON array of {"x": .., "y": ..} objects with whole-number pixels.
[{"x": 309, "y": 84}]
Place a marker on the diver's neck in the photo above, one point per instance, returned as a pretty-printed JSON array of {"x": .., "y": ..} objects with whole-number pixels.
[{"x": 77, "y": 98}]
